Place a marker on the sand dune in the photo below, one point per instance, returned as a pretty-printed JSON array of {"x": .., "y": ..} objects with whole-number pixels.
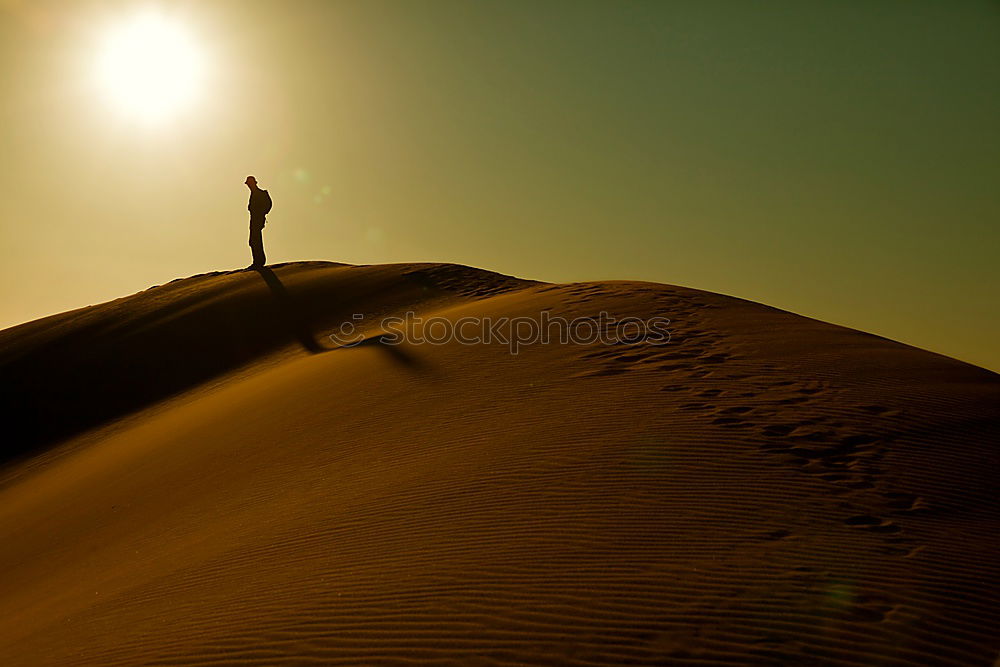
[{"x": 196, "y": 474}]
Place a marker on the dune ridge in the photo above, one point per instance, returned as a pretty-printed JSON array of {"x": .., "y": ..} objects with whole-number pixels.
[{"x": 198, "y": 475}]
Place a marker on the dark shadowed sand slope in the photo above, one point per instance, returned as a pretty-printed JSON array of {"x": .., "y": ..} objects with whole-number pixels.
[{"x": 192, "y": 476}]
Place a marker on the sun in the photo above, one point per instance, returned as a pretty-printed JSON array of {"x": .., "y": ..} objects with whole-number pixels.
[{"x": 149, "y": 68}]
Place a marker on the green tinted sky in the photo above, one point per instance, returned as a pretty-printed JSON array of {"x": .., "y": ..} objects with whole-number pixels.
[{"x": 838, "y": 159}]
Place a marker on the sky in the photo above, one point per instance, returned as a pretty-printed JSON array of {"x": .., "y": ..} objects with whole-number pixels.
[{"x": 839, "y": 159}]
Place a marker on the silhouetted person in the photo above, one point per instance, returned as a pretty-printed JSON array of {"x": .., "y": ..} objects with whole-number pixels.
[{"x": 259, "y": 206}]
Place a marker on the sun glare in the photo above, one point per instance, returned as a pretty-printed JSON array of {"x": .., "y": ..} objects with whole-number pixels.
[{"x": 149, "y": 68}]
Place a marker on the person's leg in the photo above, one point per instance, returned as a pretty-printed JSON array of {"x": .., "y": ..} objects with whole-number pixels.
[
  {"x": 260, "y": 238},
  {"x": 257, "y": 244}
]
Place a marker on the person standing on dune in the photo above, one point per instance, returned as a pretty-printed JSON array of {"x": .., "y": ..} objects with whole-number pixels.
[{"x": 259, "y": 206}]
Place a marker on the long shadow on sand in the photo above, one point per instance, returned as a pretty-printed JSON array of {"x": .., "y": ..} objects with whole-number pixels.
[
  {"x": 295, "y": 319},
  {"x": 82, "y": 369},
  {"x": 290, "y": 313},
  {"x": 397, "y": 353}
]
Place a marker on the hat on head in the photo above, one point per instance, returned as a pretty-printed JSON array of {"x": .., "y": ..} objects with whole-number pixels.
[{"x": 250, "y": 179}]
